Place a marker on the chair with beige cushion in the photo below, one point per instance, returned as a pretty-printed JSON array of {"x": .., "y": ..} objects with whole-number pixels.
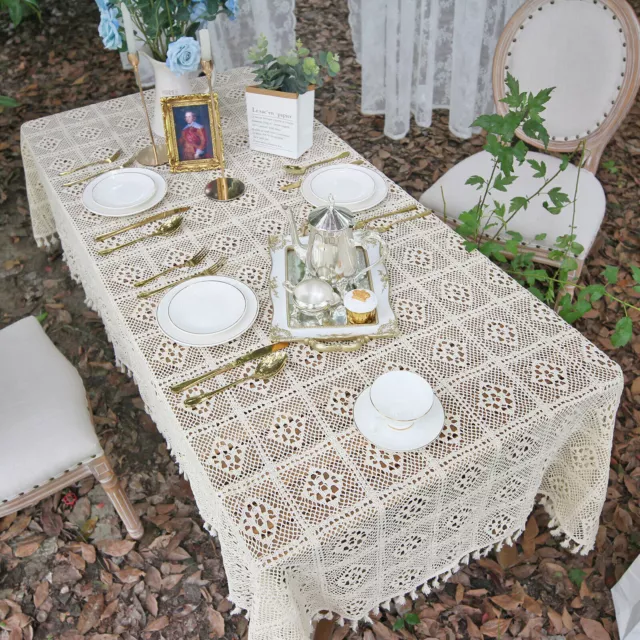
[
  {"x": 589, "y": 51},
  {"x": 47, "y": 439}
]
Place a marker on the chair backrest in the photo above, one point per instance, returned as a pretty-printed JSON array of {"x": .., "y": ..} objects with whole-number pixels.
[{"x": 589, "y": 50}]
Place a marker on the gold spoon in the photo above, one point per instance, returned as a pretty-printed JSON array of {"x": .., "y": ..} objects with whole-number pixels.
[
  {"x": 112, "y": 158},
  {"x": 268, "y": 367},
  {"x": 298, "y": 171},
  {"x": 165, "y": 229}
]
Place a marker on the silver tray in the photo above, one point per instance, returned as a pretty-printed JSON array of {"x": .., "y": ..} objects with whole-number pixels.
[{"x": 290, "y": 324}]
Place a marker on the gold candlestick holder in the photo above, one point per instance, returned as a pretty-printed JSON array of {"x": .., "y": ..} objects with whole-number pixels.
[
  {"x": 152, "y": 155},
  {"x": 224, "y": 187}
]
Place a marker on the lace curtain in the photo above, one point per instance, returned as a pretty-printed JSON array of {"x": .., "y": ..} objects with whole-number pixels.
[
  {"x": 420, "y": 55},
  {"x": 231, "y": 39}
]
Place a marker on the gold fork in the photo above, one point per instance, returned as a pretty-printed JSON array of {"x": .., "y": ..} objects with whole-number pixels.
[
  {"x": 194, "y": 261},
  {"x": 209, "y": 271},
  {"x": 295, "y": 185},
  {"x": 124, "y": 165},
  {"x": 110, "y": 160}
]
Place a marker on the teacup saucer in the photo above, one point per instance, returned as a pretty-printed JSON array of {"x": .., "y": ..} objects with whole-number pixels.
[{"x": 375, "y": 428}]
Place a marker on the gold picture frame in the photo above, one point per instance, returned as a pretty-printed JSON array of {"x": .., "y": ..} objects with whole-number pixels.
[{"x": 193, "y": 138}]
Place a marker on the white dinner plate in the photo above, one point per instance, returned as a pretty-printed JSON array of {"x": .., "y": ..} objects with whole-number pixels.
[
  {"x": 160, "y": 189},
  {"x": 354, "y": 187},
  {"x": 375, "y": 428},
  {"x": 207, "y": 311},
  {"x": 123, "y": 189}
]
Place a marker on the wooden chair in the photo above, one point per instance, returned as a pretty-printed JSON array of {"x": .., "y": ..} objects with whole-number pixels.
[
  {"x": 47, "y": 438},
  {"x": 589, "y": 51}
]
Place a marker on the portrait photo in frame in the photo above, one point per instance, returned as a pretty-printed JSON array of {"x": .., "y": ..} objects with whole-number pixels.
[{"x": 193, "y": 133}]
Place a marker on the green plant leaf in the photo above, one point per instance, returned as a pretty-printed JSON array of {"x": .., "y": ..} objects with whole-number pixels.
[
  {"x": 623, "y": 332},
  {"x": 594, "y": 291},
  {"x": 535, "y": 275},
  {"x": 493, "y": 250},
  {"x": 558, "y": 197},
  {"x": 499, "y": 209},
  {"x": 490, "y": 123},
  {"x": 537, "y": 293},
  {"x": 551, "y": 209},
  {"x": 398, "y": 624},
  {"x": 569, "y": 264},
  {"x": 540, "y": 168},
  {"x": 536, "y": 130},
  {"x": 517, "y": 203},
  {"x": 564, "y": 162},
  {"x": 412, "y": 619},
  {"x": 516, "y": 235},
  {"x": 478, "y": 180},
  {"x": 493, "y": 146},
  {"x": 511, "y": 246},
  {"x": 576, "y": 576},
  {"x": 635, "y": 273},
  {"x": 636, "y": 288},
  {"x": 540, "y": 236},
  {"x": 6, "y": 101},
  {"x": 610, "y": 274},
  {"x": 512, "y": 85},
  {"x": 42, "y": 316},
  {"x": 520, "y": 151},
  {"x": 574, "y": 311},
  {"x": 610, "y": 166},
  {"x": 576, "y": 248},
  {"x": 502, "y": 182}
]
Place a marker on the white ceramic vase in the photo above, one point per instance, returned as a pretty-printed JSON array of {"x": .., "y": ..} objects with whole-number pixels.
[{"x": 167, "y": 84}]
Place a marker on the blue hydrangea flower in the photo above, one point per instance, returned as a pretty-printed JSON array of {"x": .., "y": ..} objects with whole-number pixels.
[
  {"x": 103, "y": 5},
  {"x": 183, "y": 55},
  {"x": 109, "y": 29},
  {"x": 198, "y": 9},
  {"x": 232, "y": 5}
]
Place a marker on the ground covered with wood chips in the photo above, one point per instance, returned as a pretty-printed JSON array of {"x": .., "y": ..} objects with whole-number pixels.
[{"x": 69, "y": 572}]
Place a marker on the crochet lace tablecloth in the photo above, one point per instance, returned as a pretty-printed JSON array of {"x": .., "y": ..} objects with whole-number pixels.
[{"x": 311, "y": 517}]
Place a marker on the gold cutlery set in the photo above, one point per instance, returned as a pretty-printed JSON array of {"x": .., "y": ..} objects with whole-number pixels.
[
  {"x": 271, "y": 359},
  {"x": 209, "y": 271},
  {"x": 127, "y": 163}
]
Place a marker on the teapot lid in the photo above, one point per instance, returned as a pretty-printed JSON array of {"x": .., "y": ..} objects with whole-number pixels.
[{"x": 331, "y": 217}]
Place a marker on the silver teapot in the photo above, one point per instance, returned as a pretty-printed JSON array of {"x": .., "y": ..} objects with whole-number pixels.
[{"x": 330, "y": 252}]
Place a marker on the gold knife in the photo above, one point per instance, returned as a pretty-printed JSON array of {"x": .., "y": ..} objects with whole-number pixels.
[
  {"x": 393, "y": 223},
  {"x": 141, "y": 223},
  {"x": 258, "y": 353},
  {"x": 361, "y": 223}
]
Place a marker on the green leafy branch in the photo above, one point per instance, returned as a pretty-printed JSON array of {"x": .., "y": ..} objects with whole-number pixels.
[{"x": 488, "y": 220}]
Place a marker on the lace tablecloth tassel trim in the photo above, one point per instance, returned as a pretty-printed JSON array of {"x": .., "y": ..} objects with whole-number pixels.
[
  {"x": 556, "y": 530},
  {"x": 47, "y": 242}
]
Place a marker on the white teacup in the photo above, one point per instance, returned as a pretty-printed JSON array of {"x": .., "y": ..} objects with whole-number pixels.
[{"x": 401, "y": 397}]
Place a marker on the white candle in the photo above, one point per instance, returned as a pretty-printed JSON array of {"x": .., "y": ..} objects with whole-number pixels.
[
  {"x": 205, "y": 44},
  {"x": 128, "y": 29}
]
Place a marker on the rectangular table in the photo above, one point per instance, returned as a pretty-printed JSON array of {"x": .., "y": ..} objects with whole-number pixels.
[{"x": 309, "y": 514}]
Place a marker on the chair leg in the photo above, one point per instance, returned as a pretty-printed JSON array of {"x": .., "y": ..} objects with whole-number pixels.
[{"x": 103, "y": 471}]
